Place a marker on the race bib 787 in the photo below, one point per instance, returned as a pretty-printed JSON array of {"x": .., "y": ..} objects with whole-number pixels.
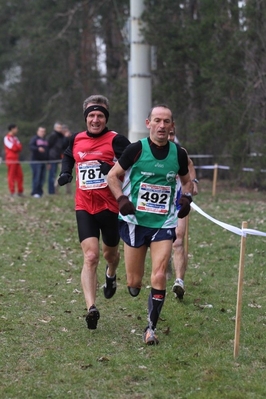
[{"x": 90, "y": 176}]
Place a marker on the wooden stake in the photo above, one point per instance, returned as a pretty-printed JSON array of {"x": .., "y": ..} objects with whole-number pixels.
[
  {"x": 239, "y": 291},
  {"x": 186, "y": 236},
  {"x": 214, "y": 182}
]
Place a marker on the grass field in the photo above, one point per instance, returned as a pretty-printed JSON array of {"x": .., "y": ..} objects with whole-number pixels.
[{"x": 46, "y": 349}]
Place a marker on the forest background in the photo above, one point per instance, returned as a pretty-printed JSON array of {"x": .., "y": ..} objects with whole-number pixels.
[{"x": 210, "y": 68}]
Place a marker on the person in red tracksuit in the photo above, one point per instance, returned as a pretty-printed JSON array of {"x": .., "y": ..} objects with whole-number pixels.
[{"x": 13, "y": 148}]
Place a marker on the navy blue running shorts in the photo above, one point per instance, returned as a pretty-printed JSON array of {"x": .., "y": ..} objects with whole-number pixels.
[{"x": 136, "y": 236}]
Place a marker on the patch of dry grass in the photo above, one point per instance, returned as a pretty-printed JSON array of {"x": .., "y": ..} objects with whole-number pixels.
[{"x": 47, "y": 351}]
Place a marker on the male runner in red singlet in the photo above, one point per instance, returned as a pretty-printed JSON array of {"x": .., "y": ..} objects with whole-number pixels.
[{"x": 94, "y": 151}]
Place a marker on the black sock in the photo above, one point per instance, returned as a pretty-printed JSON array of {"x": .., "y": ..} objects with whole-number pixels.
[{"x": 155, "y": 304}]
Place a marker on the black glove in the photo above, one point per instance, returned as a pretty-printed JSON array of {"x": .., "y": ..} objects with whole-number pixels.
[
  {"x": 184, "y": 201},
  {"x": 64, "y": 178},
  {"x": 125, "y": 206},
  {"x": 105, "y": 167}
]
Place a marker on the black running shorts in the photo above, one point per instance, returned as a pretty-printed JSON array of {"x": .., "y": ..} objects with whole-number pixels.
[{"x": 105, "y": 222}]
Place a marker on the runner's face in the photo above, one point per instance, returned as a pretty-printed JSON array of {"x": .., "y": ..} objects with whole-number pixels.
[
  {"x": 96, "y": 121},
  {"x": 171, "y": 136},
  {"x": 160, "y": 125}
]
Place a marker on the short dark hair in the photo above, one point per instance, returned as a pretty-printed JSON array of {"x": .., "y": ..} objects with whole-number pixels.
[
  {"x": 159, "y": 106},
  {"x": 11, "y": 126},
  {"x": 96, "y": 99}
]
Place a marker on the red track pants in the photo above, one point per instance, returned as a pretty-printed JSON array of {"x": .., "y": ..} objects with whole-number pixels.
[{"x": 14, "y": 176}]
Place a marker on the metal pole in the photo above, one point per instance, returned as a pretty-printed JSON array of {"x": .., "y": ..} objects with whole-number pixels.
[{"x": 139, "y": 75}]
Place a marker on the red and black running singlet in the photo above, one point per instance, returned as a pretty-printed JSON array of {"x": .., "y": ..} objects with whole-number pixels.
[{"x": 92, "y": 192}]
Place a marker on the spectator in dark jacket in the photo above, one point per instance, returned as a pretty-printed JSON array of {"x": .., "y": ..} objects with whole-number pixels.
[
  {"x": 67, "y": 134},
  {"x": 39, "y": 154},
  {"x": 56, "y": 142}
]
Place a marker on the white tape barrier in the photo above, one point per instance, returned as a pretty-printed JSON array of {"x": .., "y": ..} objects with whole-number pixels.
[
  {"x": 210, "y": 167},
  {"x": 233, "y": 229},
  {"x": 31, "y": 162},
  {"x": 204, "y": 167},
  {"x": 225, "y": 168}
]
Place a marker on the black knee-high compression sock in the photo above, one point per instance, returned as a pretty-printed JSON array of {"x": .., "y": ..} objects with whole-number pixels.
[{"x": 155, "y": 304}]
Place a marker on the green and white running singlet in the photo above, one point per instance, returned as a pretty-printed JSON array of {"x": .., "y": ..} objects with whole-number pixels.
[{"x": 151, "y": 185}]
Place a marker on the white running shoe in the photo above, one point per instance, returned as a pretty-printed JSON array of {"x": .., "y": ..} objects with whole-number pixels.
[{"x": 179, "y": 288}]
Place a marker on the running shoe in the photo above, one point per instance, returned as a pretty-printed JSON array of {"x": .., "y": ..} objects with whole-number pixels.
[
  {"x": 179, "y": 289},
  {"x": 149, "y": 337},
  {"x": 109, "y": 287},
  {"x": 92, "y": 318}
]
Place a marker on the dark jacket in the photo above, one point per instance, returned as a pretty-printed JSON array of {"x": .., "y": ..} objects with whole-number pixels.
[
  {"x": 35, "y": 143},
  {"x": 56, "y": 142}
]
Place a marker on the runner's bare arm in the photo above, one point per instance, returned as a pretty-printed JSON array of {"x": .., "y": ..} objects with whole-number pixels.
[{"x": 113, "y": 179}]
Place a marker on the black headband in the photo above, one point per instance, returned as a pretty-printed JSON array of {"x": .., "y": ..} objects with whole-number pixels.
[{"x": 96, "y": 107}]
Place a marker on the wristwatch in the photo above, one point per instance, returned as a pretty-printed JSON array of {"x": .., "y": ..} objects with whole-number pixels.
[{"x": 195, "y": 181}]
